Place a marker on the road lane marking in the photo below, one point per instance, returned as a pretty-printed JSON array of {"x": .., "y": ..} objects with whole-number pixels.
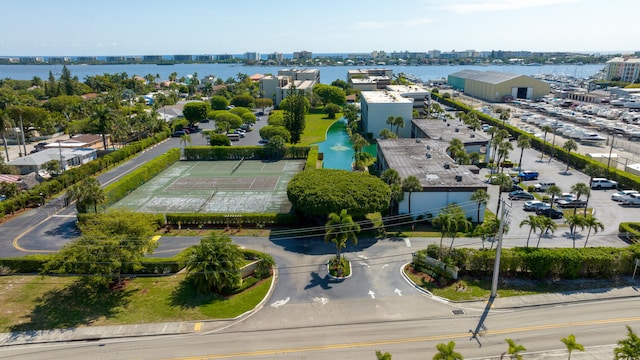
[
  {"x": 197, "y": 326},
  {"x": 402, "y": 341}
]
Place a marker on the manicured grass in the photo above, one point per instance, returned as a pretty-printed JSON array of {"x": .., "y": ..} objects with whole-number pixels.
[
  {"x": 467, "y": 289},
  {"x": 33, "y": 302},
  {"x": 316, "y": 128}
]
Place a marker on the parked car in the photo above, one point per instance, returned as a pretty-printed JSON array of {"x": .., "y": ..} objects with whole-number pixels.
[
  {"x": 528, "y": 175},
  {"x": 542, "y": 186},
  {"x": 574, "y": 203},
  {"x": 621, "y": 194},
  {"x": 564, "y": 196},
  {"x": 178, "y": 133},
  {"x": 533, "y": 205},
  {"x": 602, "y": 183},
  {"x": 632, "y": 200},
  {"x": 506, "y": 164},
  {"x": 240, "y": 133},
  {"x": 520, "y": 195},
  {"x": 550, "y": 212}
]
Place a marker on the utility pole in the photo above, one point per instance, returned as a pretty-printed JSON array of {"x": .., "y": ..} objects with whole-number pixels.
[
  {"x": 613, "y": 138},
  {"x": 504, "y": 215}
]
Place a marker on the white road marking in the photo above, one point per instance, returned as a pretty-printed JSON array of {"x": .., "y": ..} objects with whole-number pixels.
[
  {"x": 372, "y": 294},
  {"x": 322, "y": 300},
  {"x": 398, "y": 291},
  {"x": 277, "y": 304},
  {"x": 363, "y": 263},
  {"x": 362, "y": 257},
  {"x": 385, "y": 266},
  {"x": 407, "y": 242}
]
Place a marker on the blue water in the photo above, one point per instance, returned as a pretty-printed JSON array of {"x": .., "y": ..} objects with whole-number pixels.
[
  {"x": 327, "y": 73},
  {"x": 337, "y": 149}
]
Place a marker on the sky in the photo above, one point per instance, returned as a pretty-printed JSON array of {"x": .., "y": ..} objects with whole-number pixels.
[{"x": 164, "y": 27}]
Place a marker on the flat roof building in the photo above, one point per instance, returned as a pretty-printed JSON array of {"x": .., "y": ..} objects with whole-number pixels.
[
  {"x": 377, "y": 106},
  {"x": 624, "y": 68},
  {"x": 443, "y": 182},
  {"x": 496, "y": 86}
]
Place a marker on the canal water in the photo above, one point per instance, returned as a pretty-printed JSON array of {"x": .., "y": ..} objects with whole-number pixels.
[{"x": 337, "y": 149}]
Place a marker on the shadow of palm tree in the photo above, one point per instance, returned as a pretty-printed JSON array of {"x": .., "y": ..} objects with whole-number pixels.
[
  {"x": 73, "y": 306},
  {"x": 185, "y": 296}
]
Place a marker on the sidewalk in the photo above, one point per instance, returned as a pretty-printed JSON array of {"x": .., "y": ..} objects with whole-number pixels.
[{"x": 189, "y": 327}]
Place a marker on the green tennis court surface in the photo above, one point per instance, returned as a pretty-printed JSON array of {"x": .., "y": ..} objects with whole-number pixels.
[{"x": 249, "y": 186}]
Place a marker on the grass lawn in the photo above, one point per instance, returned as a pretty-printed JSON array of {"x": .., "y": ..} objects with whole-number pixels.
[
  {"x": 465, "y": 289},
  {"x": 316, "y": 128},
  {"x": 33, "y": 302}
]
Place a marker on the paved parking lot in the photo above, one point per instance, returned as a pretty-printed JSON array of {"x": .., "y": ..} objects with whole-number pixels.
[{"x": 609, "y": 212}]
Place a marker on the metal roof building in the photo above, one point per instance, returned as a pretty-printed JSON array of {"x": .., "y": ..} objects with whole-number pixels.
[{"x": 494, "y": 86}]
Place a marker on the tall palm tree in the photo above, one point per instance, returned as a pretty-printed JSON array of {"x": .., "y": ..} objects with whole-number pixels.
[
  {"x": 4, "y": 124},
  {"x": 445, "y": 222},
  {"x": 571, "y": 344},
  {"x": 553, "y": 144},
  {"x": 460, "y": 222},
  {"x": 503, "y": 153},
  {"x": 391, "y": 121},
  {"x": 581, "y": 189},
  {"x": 498, "y": 138},
  {"x": 568, "y": 146},
  {"x": 534, "y": 224},
  {"x": 410, "y": 185},
  {"x": 546, "y": 224},
  {"x": 215, "y": 264},
  {"x": 545, "y": 129},
  {"x": 629, "y": 347},
  {"x": 514, "y": 349},
  {"x": 591, "y": 223},
  {"x": 102, "y": 116},
  {"x": 447, "y": 352},
  {"x": 481, "y": 197},
  {"x": 553, "y": 190},
  {"x": 523, "y": 143},
  {"x": 399, "y": 123},
  {"x": 504, "y": 183},
  {"x": 390, "y": 177},
  {"x": 575, "y": 222},
  {"x": 339, "y": 229}
]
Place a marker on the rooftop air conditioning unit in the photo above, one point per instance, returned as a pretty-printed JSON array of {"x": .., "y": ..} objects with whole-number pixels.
[
  {"x": 458, "y": 177},
  {"x": 457, "y": 130},
  {"x": 428, "y": 147},
  {"x": 447, "y": 166},
  {"x": 418, "y": 140},
  {"x": 472, "y": 135},
  {"x": 428, "y": 156}
]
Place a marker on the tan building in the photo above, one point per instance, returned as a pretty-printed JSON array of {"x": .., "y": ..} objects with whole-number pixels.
[
  {"x": 625, "y": 69},
  {"x": 496, "y": 86}
]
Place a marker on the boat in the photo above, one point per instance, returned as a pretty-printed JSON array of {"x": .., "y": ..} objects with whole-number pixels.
[{"x": 592, "y": 138}]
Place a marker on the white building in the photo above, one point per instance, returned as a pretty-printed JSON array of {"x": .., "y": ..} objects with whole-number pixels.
[
  {"x": 68, "y": 157},
  {"x": 278, "y": 87},
  {"x": 443, "y": 182},
  {"x": 625, "y": 69},
  {"x": 378, "y": 106}
]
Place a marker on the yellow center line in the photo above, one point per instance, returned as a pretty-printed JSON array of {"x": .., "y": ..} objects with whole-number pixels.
[{"x": 406, "y": 340}]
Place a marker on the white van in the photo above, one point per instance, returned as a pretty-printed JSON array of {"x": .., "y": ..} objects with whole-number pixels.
[
  {"x": 631, "y": 200},
  {"x": 602, "y": 183},
  {"x": 233, "y": 137}
]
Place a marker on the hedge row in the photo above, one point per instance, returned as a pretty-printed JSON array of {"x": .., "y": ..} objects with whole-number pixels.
[
  {"x": 121, "y": 188},
  {"x": 258, "y": 220},
  {"x": 579, "y": 161},
  {"x": 543, "y": 263},
  {"x": 630, "y": 231},
  {"x": 213, "y": 153},
  {"x": 312, "y": 158},
  {"x": 51, "y": 187}
]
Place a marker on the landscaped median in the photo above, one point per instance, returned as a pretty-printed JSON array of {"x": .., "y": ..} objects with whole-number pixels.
[{"x": 523, "y": 271}]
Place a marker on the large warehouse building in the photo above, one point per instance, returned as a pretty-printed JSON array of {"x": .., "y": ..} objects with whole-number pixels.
[{"x": 496, "y": 86}]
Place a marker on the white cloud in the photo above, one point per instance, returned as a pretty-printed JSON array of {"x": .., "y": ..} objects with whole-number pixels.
[{"x": 473, "y": 6}]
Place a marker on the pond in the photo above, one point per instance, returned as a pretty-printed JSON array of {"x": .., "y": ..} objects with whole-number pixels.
[{"x": 337, "y": 149}]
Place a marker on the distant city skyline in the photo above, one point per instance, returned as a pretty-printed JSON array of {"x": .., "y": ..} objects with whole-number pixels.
[{"x": 163, "y": 27}]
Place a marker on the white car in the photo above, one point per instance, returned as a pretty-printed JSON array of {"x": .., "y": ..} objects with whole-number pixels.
[
  {"x": 621, "y": 194},
  {"x": 602, "y": 183}
]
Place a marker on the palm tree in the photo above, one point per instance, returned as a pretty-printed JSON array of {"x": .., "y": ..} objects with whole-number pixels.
[
  {"x": 391, "y": 121},
  {"x": 503, "y": 153},
  {"x": 581, "y": 189},
  {"x": 481, "y": 197},
  {"x": 498, "y": 138},
  {"x": 339, "y": 229},
  {"x": 574, "y": 222},
  {"x": 571, "y": 344},
  {"x": 87, "y": 191},
  {"x": 553, "y": 190},
  {"x": 523, "y": 143},
  {"x": 568, "y": 146},
  {"x": 445, "y": 222},
  {"x": 215, "y": 264},
  {"x": 513, "y": 350},
  {"x": 447, "y": 352},
  {"x": 628, "y": 348},
  {"x": 490, "y": 228},
  {"x": 534, "y": 223},
  {"x": 460, "y": 222},
  {"x": 399, "y": 123},
  {"x": 411, "y": 184},
  {"x": 504, "y": 183},
  {"x": 390, "y": 177},
  {"x": 591, "y": 223},
  {"x": 545, "y": 129},
  {"x": 102, "y": 116},
  {"x": 553, "y": 144},
  {"x": 546, "y": 224},
  {"x": 4, "y": 124}
]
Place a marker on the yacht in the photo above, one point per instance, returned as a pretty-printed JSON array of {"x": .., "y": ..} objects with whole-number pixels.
[{"x": 592, "y": 138}]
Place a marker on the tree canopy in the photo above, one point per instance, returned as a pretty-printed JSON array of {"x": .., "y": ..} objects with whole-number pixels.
[
  {"x": 330, "y": 94},
  {"x": 324, "y": 191},
  {"x": 195, "y": 111}
]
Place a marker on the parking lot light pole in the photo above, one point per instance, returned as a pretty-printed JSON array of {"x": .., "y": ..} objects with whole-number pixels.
[{"x": 496, "y": 265}]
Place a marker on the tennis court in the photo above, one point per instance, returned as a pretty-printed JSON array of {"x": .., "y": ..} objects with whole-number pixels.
[{"x": 249, "y": 186}]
